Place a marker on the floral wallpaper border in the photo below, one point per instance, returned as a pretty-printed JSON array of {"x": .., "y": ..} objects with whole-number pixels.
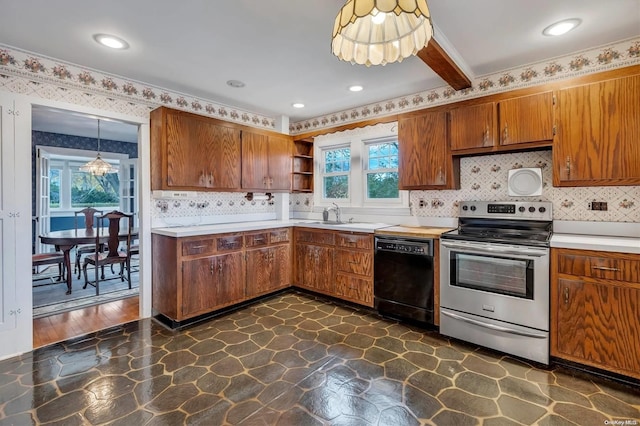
[
  {"x": 617, "y": 55},
  {"x": 38, "y": 69}
]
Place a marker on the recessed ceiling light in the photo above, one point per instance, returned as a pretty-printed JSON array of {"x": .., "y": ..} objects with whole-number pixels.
[
  {"x": 111, "y": 41},
  {"x": 561, "y": 27},
  {"x": 235, "y": 83},
  {"x": 298, "y": 105},
  {"x": 356, "y": 88}
]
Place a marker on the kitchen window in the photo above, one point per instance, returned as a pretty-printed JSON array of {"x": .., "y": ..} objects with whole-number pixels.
[
  {"x": 336, "y": 165},
  {"x": 358, "y": 170}
]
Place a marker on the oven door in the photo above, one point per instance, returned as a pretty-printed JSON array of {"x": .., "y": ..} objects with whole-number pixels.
[{"x": 499, "y": 281}]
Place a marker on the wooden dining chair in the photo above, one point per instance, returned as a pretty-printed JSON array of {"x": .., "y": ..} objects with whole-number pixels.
[
  {"x": 55, "y": 258},
  {"x": 112, "y": 254},
  {"x": 89, "y": 214}
]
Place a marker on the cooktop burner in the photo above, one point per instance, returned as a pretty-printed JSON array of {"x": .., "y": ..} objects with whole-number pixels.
[{"x": 522, "y": 223}]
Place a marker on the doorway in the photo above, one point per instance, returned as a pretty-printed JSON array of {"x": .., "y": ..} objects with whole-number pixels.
[{"x": 62, "y": 142}]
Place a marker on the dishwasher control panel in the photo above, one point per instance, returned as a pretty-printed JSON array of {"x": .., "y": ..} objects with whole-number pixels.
[{"x": 419, "y": 247}]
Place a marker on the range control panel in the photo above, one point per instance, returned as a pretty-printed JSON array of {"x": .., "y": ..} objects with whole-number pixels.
[{"x": 530, "y": 210}]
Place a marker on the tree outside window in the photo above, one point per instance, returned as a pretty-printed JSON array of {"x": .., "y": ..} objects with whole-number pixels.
[{"x": 88, "y": 190}]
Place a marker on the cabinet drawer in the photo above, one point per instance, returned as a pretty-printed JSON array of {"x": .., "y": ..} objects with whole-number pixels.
[
  {"x": 354, "y": 262},
  {"x": 279, "y": 235},
  {"x": 257, "y": 239},
  {"x": 191, "y": 248},
  {"x": 229, "y": 242},
  {"x": 615, "y": 268},
  {"x": 357, "y": 241},
  {"x": 319, "y": 237},
  {"x": 355, "y": 288}
]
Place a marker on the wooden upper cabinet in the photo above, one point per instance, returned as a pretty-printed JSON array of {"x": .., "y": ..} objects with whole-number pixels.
[
  {"x": 280, "y": 152},
  {"x": 526, "y": 119},
  {"x": 473, "y": 126},
  {"x": 192, "y": 152},
  {"x": 424, "y": 156},
  {"x": 598, "y": 141},
  {"x": 266, "y": 162}
]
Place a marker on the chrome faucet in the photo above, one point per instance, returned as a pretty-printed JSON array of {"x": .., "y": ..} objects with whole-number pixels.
[{"x": 335, "y": 209}]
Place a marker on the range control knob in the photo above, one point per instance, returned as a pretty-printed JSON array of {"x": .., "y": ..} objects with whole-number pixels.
[
  {"x": 465, "y": 208},
  {"x": 521, "y": 209},
  {"x": 473, "y": 208},
  {"x": 532, "y": 209},
  {"x": 542, "y": 210}
]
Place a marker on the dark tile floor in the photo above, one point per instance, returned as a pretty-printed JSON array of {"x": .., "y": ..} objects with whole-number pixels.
[{"x": 295, "y": 360}]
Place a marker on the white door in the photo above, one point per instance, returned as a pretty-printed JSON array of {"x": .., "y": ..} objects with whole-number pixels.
[
  {"x": 16, "y": 326},
  {"x": 43, "y": 195},
  {"x": 128, "y": 188}
]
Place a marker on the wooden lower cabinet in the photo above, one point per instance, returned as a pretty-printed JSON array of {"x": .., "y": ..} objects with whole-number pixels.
[
  {"x": 268, "y": 270},
  {"x": 595, "y": 320},
  {"x": 314, "y": 268},
  {"x": 197, "y": 275},
  {"x": 338, "y": 264},
  {"x": 211, "y": 283}
]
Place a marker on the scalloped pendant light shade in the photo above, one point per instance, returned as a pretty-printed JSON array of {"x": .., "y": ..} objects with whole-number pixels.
[{"x": 378, "y": 32}]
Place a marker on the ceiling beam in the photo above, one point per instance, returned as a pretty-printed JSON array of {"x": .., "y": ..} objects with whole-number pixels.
[{"x": 441, "y": 63}]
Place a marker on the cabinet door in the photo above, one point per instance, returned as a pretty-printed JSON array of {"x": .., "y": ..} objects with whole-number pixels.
[
  {"x": 598, "y": 134},
  {"x": 189, "y": 155},
  {"x": 224, "y": 144},
  {"x": 280, "y": 149},
  {"x": 255, "y": 166},
  {"x": 199, "y": 286},
  {"x": 268, "y": 269},
  {"x": 472, "y": 127},
  {"x": 424, "y": 157},
  {"x": 230, "y": 279},
  {"x": 314, "y": 267},
  {"x": 526, "y": 119},
  {"x": 598, "y": 324}
]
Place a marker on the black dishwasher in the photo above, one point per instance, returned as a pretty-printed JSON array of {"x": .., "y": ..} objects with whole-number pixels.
[{"x": 403, "y": 278}]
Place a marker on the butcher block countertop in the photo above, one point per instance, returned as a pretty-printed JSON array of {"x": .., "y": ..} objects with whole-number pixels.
[{"x": 412, "y": 231}]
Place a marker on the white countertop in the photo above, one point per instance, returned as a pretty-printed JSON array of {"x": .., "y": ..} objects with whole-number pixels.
[
  {"x": 596, "y": 242},
  {"x": 190, "y": 231}
]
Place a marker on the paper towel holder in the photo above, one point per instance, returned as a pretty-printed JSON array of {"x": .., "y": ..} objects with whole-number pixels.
[{"x": 255, "y": 197}]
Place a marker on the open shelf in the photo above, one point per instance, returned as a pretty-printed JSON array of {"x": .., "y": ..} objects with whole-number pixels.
[{"x": 302, "y": 172}]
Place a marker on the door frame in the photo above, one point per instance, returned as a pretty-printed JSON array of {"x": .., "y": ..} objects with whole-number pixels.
[{"x": 23, "y": 146}]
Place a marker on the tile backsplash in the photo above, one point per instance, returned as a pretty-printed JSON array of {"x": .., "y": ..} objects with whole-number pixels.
[{"x": 485, "y": 178}]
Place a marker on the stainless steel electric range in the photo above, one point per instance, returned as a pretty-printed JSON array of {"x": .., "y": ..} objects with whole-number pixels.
[{"x": 494, "y": 286}]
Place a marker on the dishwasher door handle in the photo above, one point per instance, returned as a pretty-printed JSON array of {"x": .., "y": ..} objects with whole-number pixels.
[{"x": 493, "y": 326}]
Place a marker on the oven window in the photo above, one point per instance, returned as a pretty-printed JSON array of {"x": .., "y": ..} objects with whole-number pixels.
[{"x": 503, "y": 275}]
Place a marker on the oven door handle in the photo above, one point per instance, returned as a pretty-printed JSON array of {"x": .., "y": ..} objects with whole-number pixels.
[
  {"x": 531, "y": 252},
  {"x": 493, "y": 326}
]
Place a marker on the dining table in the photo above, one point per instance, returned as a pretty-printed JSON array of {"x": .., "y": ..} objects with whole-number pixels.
[{"x": 67, "y": 239}]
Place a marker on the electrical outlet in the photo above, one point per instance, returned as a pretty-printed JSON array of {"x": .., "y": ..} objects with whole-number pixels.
[
  {"x": 598, "y": 205},
  {"x": 421, "y": 203}
]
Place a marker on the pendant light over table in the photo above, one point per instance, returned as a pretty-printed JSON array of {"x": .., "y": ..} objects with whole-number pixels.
[{"x": 98, "y": 167}]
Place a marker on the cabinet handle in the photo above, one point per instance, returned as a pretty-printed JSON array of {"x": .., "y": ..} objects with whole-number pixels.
[
  {"x": 220, "y": 267},
  {"x": 566, "y": 295},
  {"x": 485, "y": 137},
  {"x": 211, "y": 179},
  {"x": 605, "y": 268},
  {"x": 568, "y": 167},
  {"x": 505, "y": 133},
  {"x": 197, "y": 247},
  {"x": 211, "y": 266}
]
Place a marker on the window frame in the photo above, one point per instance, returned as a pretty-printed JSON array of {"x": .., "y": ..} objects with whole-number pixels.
[
  {"x": 324, "y": 174},
  {"x": 366, "y": 171},
  {"x": 358, "y": 201}
]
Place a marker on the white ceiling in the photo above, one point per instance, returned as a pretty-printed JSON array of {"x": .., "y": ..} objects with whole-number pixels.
[{"x": 281, "y": 48}]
